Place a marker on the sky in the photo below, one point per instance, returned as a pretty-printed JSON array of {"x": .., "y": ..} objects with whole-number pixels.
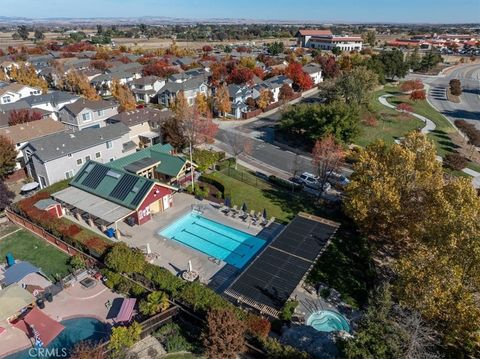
[{"x": 431, "y": 11}]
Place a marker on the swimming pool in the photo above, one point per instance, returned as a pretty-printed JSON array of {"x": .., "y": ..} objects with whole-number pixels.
[
  {"x": 214, "y": 239},
  {"x": 76, "y": 330},
  {"x": 328, "y": 321}
]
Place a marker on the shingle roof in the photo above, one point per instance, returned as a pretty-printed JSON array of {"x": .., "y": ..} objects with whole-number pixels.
[
  {"x": 147, "y": 80},
  {"x": 170, "y": 165},
  {"x": 115, "y": 185},
  {"x": 54, "y": 97},
  {"x": 135, "y": 117},
  {"x": 32, "y": 130},
  {"x": 61, "y": 144},
  {"x": 312, "y": 68},
  {"x": 190, "y": 84},
  {"x": 77, "y": 107},
  {"x": 307, "y": 32}
]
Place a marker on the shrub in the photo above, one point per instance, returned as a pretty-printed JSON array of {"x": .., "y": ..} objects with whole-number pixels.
[
  {"x": 404, "y": 107},
  {"x": 418, "y": 95},
  {"x": 280, "y": 182},
  {"x": 325, "y": 293},
  {"x": 172, "y": 338},
  {"x": 411, "y": 85},
  {"x": 455, "y": 87},
  {"x": 275, "y": 349},
  {"x": 205, "y": 159},
  {"x": 155, "y": 302},
  {"x": 77, "y": 262},
  {"x": 258, "y": 326},
  {"x": 288, "y": 310},
  {"x": 213, "y": 182},
  {"x": 370, "y": 121},
  {"x": 124, "y": 259},
  {"x": 455, "y": 161}
]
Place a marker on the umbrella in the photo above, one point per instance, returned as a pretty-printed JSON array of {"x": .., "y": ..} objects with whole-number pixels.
[
  {"x": 227, "y": 202},
  {"x": 244, "y": 207},
  {"x": 149, "y": 251},
  {"x": 264, "y": 214},
  {"x": 29, "y": 186},
  {"x": 36, "y": 335}
]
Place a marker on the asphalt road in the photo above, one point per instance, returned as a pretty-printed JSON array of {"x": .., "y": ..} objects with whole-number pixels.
[{"x": 469, "y": 108}]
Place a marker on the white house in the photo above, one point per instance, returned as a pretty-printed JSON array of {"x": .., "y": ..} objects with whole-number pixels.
[
  {"x": 85, "y": 113},
  {"x": 314, "y": 71},
  {"x": 60, "y": 156},
  {"x": 14, "y": 92},
  {"x": 238, "y": 97},
  {"x": 146, "y": 87},
  {"x": 52, "y": 102},
  {"x": 273, "y": 84},
  {"x": 190, "y": 87}
]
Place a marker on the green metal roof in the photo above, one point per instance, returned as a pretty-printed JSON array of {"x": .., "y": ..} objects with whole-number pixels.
[
  {"x": 170, "y": 165},
  {"x": 115, "y": 185}
]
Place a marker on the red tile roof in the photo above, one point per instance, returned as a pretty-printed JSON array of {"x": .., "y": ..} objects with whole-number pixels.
[{"x": 307, "y": 32}]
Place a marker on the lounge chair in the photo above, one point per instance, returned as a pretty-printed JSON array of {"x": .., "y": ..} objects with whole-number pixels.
[
  {"x": 234, "y": 211},
  {"x": 243, "y": 216}
]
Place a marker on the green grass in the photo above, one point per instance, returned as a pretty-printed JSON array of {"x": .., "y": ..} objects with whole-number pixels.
[
  {"x": 258, "y": 194},
  {"x": 27, "y": 247},
  {"x": 474, "y": 166},
  {"x": 57, "y": 186},
  {"x": 346, "y": 266},
  {"x": 391, "y": 124},
  {"x": 6, "y": 229}
]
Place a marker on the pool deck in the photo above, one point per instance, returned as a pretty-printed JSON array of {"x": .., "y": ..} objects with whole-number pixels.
[
  {"x": 72, "y": 302},
  {"x": 175, "y": 256}
]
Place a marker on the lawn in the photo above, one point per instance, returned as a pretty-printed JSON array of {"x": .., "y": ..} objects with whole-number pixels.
[
  {"x": 346, "y": 266},
  {"x": 27, "y": 247},
  {"x": 391, "y": 124},
  {"x": 259, "y": 194},
  {"x": 6, "y": 229}
]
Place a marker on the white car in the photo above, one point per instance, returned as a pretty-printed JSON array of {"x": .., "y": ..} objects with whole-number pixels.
[
  {"x": 312, "y": 181},
  {"x": 339, "y": 179}
]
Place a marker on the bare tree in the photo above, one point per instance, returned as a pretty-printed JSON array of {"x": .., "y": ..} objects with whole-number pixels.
[
  {"x": 327, "y": 157},
  {"x": 239, "y": 145}
]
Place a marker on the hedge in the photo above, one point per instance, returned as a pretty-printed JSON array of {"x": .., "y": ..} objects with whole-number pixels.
[
  {"x": 284, "y": 183},
  {"x": 213, "y": 182}
]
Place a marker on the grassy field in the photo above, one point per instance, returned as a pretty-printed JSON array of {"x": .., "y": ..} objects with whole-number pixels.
[
  {"x": 259, "y": 194},
  {"x": 391, "y": 124},
  {"x": 27, "y": 247}
]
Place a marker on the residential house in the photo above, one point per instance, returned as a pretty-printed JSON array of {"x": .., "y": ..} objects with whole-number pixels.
[
  {"x": 273, "y": 84},
  {"x": 314, "y": 70},
  {"x": 238, "y": 96},
  {"x": 52, "y": 102},
  {"x": 103, "y": 83},
  {"x": 146, "y": 87},
  {"x": 158, "y": 162},
  {"x": 190, "y": 86},
  {"x": 23, "y": 133},
  {"x": 61, "y": 155},
  {"x": 15, "y": 91},
  {"x": 85, "y": 113},
  {"x": 144, "y": 124}
]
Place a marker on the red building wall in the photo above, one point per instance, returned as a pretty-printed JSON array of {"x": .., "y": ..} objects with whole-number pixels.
[{"x": 156, "y": 193}]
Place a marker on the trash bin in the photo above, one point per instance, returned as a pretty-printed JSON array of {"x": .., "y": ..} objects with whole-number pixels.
[
  {"x": 40, "y": 303},
  {"x": 110, "y": 232},
  {"x": 49, "y": 297}
]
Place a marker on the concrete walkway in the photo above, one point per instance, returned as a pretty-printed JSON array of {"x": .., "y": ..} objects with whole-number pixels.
[
  {"x": 429, "y": 124},
  {"x": 429, "y": 127}
]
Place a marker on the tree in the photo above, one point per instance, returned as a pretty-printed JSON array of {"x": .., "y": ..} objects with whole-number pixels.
[
  {"x": 222, "y": 100},
  {"x": 265, "y": 98},
  {"x": 336, "y": 51},
  {"x": 413, "y": 60},
  {"x": 78, "y": 83},
  {"x": 172, "y": 133},
  {"x": 275, "y": 48},
  {"x": 404, "y": 107},
  {"x": 455, "y": 87},
  {"x": 411, "y": 85},
  {"x": 26, "y": 75},
  {"x": 6, "y": 196},
  {"x": 23, "y": 32},
  {"x": 124, "y": 96},
  {"x": 155, "y": 302},
  {"x": 418, "y": 95},
  {"x": 286, "y": 93},
  {"x": 39, "y": 35},
  {"x": 23, "y": 116},
  {"x": 123, "y": 338},
  {"x": 240, "y": 75},
  {"x": 223, "y": 337},
  {"x": 327, "y": 157},
  {"x": 355, "y": 86},
  {"x": 180, "y": 106},
  {"x": 238, "y": 144},
  {"x": 369, "y": 37},
  {"x": 301, "y": 80},
  {"x": 392, "y": 186},
  {"x": 123, "y": 259},
  {"x": 8, "y": 157},
  {"x": 393, "y": 63},
  {"x": 77, "y": 262},
  {"x": 87, "y": 350},
  {"x": 329, "y": 65},
  {"x": 201, "y": 104},
  {"x": 431, "y": 59}
]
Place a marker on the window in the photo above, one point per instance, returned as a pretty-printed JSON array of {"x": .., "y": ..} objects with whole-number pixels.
[
  {"x": 69, "y": 174},
  {"x": 79, "y": 162},
  {"x": 100, "y": 113},
  {"x": 43, "y": 183},
  {"x": 88, "y": 158},
  {"x": 109, "y": 144},
  {"x": 98, "y": 155},
  {"x": 6, "y": 99},
  {"x": 87, "y": 117},
  {"x": 69, "y": 155},
  {"x": 112, "y": 159}
]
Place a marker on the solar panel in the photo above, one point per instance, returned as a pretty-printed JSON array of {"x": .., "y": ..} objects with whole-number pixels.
[
  {"x": 141, "y": 193},
  {"x": 95, "y": 176},
  {"x": 123, "y": 187}
]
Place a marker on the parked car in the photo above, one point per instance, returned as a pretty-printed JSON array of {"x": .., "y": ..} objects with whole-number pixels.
[
  {"x": 338, "y": 179},
  {"x": 311, "y": 181}
]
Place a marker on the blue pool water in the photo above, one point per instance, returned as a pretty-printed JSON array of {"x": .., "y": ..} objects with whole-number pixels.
[
  {"x": 328, "y": 321},
  {"x": 76, "y": 330},
  {"x": 214, "y": 239}
]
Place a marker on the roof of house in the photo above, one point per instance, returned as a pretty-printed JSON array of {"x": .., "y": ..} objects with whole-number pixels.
[
  {"x": 78, "y": 106},
  {"x": 135, "y": 117},
  {"x": 12, "y": 299},
  {"x": 147, "y": 80},
  {"x": 13, "y": 87},
  {"x": 312, "y": 68},
  {"x": 190, "y": 84},
  {"x": 113, "y": 184},
  {"x": 61, "y": 144},
  {"x": 116, "y": 75},
  {"x": 32, "y": 130},
  {"x": 309, "y": 32},
  {"x": 55, "y": 97},
  {"x": 18, "y": 271},
  {"x": 45, "y": 203},
  {"x": 170, "y": 165}
]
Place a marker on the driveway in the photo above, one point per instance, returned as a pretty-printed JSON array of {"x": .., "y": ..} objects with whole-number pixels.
[{"x": 469, "y": 107}]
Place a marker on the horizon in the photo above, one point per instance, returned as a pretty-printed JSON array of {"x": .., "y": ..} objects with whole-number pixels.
[{"x": 370, "y": 11}]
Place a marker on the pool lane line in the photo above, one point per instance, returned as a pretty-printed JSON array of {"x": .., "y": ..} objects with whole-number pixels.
[
  {"x": 206, "y": 240},
  {"x": 223, "y": 235}
]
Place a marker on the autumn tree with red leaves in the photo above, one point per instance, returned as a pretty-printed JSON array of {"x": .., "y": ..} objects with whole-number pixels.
[
  {"x": 100, "y": 65},
  {"x": 240, "y": 75},
  {"x": 330, "y": 68},
  {"x": 160, "y": 68},
  {"x": 327, "y": 157},
  {"x": 404, "y": 107},
  {"x": 411, "y": 85},
  {"x": 223, "y": 337},
  {"x": 23, "y": 116},
  {"x": 301, "y": 80},
  {"x": 418, "y": 95},
  {"x": 286, "y": 93}
]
